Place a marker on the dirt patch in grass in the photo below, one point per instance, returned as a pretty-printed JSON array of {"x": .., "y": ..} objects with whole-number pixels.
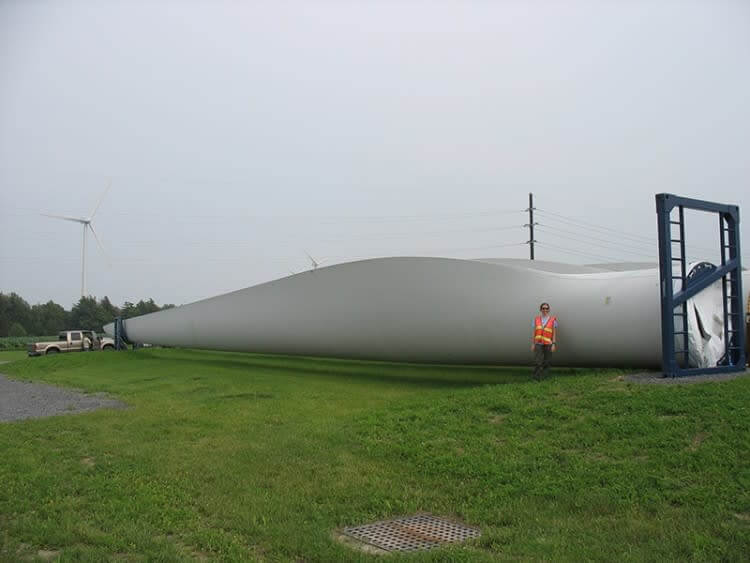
[
  {"x": 25, "y": 552},
  {"x": 698, "y": 440},
  {"x": 21, "y": 400}
]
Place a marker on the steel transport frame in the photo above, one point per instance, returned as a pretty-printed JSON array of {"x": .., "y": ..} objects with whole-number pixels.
[{"x": 674, "y": 304}]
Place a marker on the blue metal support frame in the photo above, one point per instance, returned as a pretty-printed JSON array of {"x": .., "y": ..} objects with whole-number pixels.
[
  {"x": 121, "y": 338},
  {"x": 730, "y": 272}
]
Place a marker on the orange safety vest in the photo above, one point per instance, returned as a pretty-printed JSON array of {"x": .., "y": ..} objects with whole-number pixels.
[{"x": 543, "y": 333}]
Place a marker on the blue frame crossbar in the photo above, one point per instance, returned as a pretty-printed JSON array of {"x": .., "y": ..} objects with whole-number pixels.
[{"x": 674, "y": 304}]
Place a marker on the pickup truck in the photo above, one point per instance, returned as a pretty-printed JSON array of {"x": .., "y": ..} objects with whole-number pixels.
[{"x": 72, "y": 341}]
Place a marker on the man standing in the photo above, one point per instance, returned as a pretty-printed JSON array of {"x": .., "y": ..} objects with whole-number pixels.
[{"x": 543, "y": 340}]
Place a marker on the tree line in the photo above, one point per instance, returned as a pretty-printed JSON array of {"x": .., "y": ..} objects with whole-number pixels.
[{"x": 18, "y": 318}]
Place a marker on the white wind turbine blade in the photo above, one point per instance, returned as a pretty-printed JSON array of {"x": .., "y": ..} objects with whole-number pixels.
[
  {"x": 65, "y": 217},
  {"x": 101, "y": 198},
  {"x": 101, "y": 247}
]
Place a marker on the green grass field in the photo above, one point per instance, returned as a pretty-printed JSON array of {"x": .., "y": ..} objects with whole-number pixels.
[
  {"x": 11, "y": 355},
  {"x": 249, "y": 457}
]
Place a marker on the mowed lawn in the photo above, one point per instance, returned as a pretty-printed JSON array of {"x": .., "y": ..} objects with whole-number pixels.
[{"x": 249, "y": 457}]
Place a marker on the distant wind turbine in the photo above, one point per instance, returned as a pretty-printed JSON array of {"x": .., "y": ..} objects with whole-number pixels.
[
  {"x": 314, "y": 262},
  {"x": 87, "y": 225}
]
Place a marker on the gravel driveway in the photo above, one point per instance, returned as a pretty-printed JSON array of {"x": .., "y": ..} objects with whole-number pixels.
[{"x": 20, "y": 400}]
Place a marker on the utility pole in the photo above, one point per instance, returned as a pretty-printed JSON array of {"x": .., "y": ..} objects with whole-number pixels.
[{"x": 531, "y": 225}]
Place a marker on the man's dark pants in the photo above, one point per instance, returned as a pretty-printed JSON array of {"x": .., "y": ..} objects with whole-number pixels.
[{"x": 542, "y": 356}]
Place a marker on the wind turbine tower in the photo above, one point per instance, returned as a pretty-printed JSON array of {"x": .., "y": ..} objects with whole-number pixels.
[{"x": 87, "y": 225}]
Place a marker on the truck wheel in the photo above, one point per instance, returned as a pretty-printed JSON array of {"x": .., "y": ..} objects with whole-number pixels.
[
  {"x": 108, "y": 348},
  {"x": 51, "y": 351}
]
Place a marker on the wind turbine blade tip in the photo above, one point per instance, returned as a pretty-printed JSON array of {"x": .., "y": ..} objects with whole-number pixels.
[
  {"x": 96, "y": 237},
  {"x": 101, "y": 198},
  {"x": 64, "y": 217}
]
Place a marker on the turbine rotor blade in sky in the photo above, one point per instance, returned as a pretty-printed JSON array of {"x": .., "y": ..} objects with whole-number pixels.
[
  {"x": 66, "y": 218},
  {"x": 101, "y": 198},
  {"x": 101, "y": 246}
]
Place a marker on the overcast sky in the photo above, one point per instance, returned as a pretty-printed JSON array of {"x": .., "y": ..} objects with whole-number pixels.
[{"x": 240, "y": 136}]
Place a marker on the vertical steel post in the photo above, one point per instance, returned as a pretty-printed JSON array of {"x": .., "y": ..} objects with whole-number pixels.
[
  {"x": 736, "y": 353},
  {"x": 531, "y": 226},
  {"x": 724, "y": 280},
  {"x": 120, "y": 342},
  {"x": 668, "y": 362},
  {"x": 683, "y": 287}
]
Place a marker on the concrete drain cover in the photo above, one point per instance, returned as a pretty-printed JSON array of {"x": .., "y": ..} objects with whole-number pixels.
[{"x": 412, "y": 533}]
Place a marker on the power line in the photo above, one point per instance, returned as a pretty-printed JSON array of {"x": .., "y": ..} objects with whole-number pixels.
[
  {"x": 637, "y": 239},
  {"x": 609, "y": 244},
  {"x": 592, "y": 226},
  {"x": 569, "y": 251},
  {"x": 618, "y": 244}
]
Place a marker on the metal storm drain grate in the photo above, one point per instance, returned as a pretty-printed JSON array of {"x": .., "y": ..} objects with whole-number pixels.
[{"x": 412, "y": 533}]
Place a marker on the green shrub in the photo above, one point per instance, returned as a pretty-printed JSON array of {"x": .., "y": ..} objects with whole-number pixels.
[
  {"x": 16, "y": 329},
  {"x": 20, "y": 342}
]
